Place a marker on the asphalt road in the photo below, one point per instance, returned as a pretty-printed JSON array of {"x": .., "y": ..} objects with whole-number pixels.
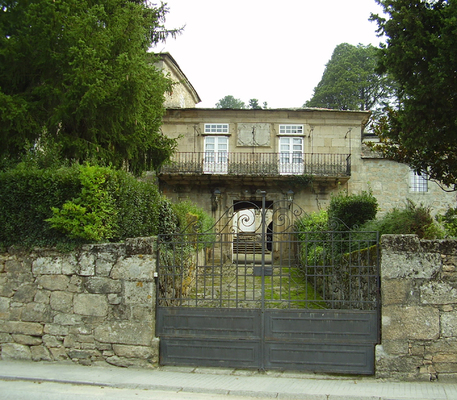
[{"x": 29, "y": 390}]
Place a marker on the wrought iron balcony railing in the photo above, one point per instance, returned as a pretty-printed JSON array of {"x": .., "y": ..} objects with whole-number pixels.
[{"x": 259, "y": 164}]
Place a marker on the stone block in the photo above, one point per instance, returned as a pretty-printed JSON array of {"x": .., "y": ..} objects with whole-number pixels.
[
  {"x": 67, "y": 319},
  {"x": 5, "y": 337},
  {"x": 75, "y": 285},
  {"x": 25, "y": 293},
  {"x": 124, "y": 332},
  {"x": 441, "y": 346},
  {"x": 396, "y": 291},
  {"x": 438, "y": 293},
  {"x": 14, "y": 351},
  {"x": 395, "y": 347},
  {"x": 42, "y": 296},
  {"x": 53, "y": 282},
  {"x": 449, "y": 324},
  {"x": 52, "y": 341},
  {"x": 7, "y": 287},
  {"x": 59, "y": 353},
  {"x": 40, "y": 353},
  {"x": 61, "y": 301},
  {"x": 80, "y": 354},
  {"x": 16, "y": 267},
  {"x": 4, "y": 307},
  {"x": 36, "y": 312},
  {"x": 104, "y": 264},
  {"x": 91, "y": 304},
  {"x": 143, "y": 313},
  {"x": 129, "y": 362},
  {"x": 27, "y": 339},
  {"x": 103, "y": 285},
  {"x": 421, "y": 323},
  {"x": 138, "y": 292},
  {"x": 410, "y": 265},
  {"x": 400, "y": 243},
  {"x": 142, "y": 245},
  {"x": 70, "y": 341},
  {"x": 87, "y": 264},
  {"x": 446, "y": 367},
  {"x": 25, "y": 328},
  {"x": 56, "y": 329},
  {"x": 47, "y": 266},
  {"x": 114, "y": 299},
  {"x": 134, "y": 268},
  {"x": 132, "y": 351}
]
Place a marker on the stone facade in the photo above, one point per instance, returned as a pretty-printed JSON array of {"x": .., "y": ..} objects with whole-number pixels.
[
  {"x": 252, "y": 133},
  {"x": 390, "y": 183},
  {"x": 92, "y": 306},
  {"x": 183, "y": 95},
  {"x": 419, "y": 309}
]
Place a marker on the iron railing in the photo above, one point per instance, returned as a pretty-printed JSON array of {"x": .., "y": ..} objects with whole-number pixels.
[{"x": 255, "y": 164}]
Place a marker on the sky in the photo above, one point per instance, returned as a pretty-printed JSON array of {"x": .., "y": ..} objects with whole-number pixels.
[{"x": 270, "y": 50}]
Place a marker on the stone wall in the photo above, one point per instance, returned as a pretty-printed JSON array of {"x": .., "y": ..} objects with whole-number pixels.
[
  {"x": 419, "y": 309},
  {"x": 92, "y": 306}
]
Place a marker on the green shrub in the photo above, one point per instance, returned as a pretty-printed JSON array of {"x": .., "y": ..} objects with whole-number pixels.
[
  {"x": 92, "y": 215},
  {"x": 26, "y": 198},
  {"x": 93, "y": 203},
  {"x": 449, "y": 222},
  {"x": 195, "y": 223},
  {"x": 353, "y": 210},
  {"x": 138, "y": 206},
  {"x": 412, "y": 219}
]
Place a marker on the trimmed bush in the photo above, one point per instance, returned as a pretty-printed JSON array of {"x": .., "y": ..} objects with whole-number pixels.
[
  {"x": 353, "y": 210},
  {"x": 91, "y": 203},
  {"x": 412, "y": 219}
]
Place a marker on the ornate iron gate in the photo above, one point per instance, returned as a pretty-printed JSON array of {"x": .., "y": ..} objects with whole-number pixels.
[{"x": 274, "y": 296}]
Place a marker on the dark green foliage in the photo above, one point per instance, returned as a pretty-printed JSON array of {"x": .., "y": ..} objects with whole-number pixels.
[
  {"x": 195, "y": 223},
  {"x": 27, "y": 195},
  {"x": 138, "y": 205},
  {"x": 230, "y": 102},
  {"x": 79, "y": 72},
  {"x": 449, "y": 222},
  {"x": 352, "y": 210},
  {"x": 411, "y": 219},
  {"x": 26, "y": 198},
  {"x": 421, "y": 54},
  {"x": 351, "y": 82}
]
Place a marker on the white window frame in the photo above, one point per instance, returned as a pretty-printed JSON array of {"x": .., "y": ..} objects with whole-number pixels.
[
  {"x": 418, "y": 183},
  {"x": 291, "y": 155},
  {"x": 215, "y": 160},
  {"x": 217, "y": 128},
  {"x": 291, "y": 129}
]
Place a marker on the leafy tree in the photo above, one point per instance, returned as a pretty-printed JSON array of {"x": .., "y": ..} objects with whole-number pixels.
[
  {"x": 230, "y": 102},
  {"x": 78, "y": 73},
  {"x": 254, "y": 104},
  {"x": 350, "y": 80},
  {"x": 421, "y": 55}
]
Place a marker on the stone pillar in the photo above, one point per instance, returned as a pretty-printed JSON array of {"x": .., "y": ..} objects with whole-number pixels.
[{"x": 418, "y": 292}]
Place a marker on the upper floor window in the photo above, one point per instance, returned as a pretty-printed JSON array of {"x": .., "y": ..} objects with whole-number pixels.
[
  {"x": 217, "y": 128},
  {"x": 216, "y": 155},
  {"x": 418, "y": 182},
  {"x": 289, "y": 129},
  {"x": 291, "y": 155}
]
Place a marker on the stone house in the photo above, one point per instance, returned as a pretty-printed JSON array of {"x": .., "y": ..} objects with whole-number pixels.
[{"x": 225, "y": 156}]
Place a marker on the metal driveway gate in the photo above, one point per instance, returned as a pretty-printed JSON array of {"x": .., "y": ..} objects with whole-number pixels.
[{"x": 263, "y": 292}]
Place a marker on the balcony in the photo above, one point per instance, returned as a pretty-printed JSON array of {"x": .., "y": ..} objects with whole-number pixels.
[{"x": 259, "y": 164}]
